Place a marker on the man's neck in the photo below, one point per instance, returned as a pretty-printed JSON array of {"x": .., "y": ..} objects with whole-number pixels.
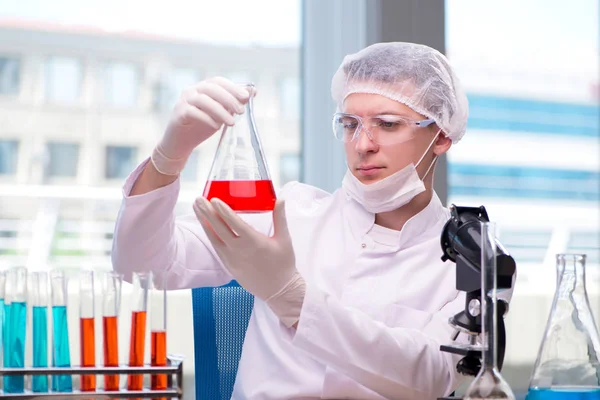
[{"x": 397, "y": 218}]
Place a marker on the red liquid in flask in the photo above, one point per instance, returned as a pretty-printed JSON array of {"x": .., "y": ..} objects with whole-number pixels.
[
  {"x": 243, "y": 196},
  {"x": 136, "y": 351},
  {"x": 88, "y": 353},
  {"x": 111, "y": 351}
]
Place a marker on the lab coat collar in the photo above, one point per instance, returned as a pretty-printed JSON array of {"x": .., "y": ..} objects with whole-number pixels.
[
  {"x": 419, "y": 225},
  {"x": 424, "y": 225}
]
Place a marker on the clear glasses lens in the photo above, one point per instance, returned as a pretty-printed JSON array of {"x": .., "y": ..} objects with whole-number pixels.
[{"x": 383, "y": 129}]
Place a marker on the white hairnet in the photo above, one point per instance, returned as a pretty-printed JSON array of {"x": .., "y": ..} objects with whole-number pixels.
[{"x": 413, "y": 74}]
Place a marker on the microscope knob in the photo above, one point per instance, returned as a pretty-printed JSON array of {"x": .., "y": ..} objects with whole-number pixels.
[{"x": 474, "y": 307}]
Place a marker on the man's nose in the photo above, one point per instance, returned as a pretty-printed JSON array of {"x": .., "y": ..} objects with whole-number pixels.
[{"x": 364, "y": 144}]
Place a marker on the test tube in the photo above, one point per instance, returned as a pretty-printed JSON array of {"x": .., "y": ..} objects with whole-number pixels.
[
  {"x": 2, "y": 280},
  {"x": 158, "y": 334},
  {"x": 39, "y": 297},
  {"x": 61, "y": 355},
  {"x": 111, "y": 302},
  {"x": 142, "y": 282},
  {"x": 16, "y": 326},
  {"x": 87, "y": 329}
]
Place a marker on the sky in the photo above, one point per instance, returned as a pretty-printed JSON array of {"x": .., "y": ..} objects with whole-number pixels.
[
  {"x": 218, "y": 21},
  {"x": 517, "y": 24},
  {"x": 553, "y": 34},
  {"x": 524, "y": 24},
  {"x": 536, "y": 32}
]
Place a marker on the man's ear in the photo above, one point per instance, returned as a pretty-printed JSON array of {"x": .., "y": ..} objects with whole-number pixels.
[{"x": 442, "y": 144}]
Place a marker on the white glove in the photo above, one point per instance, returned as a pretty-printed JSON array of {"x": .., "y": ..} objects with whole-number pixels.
[
  {"x": 264, "y": 266},
  {"x": 200, "y": 112}
]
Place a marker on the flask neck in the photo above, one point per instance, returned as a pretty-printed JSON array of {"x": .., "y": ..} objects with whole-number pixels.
[
  {"x": 251, "y": 91},
  {"x": 250, "y": 105},
  {"x": 570, "y": 275}
]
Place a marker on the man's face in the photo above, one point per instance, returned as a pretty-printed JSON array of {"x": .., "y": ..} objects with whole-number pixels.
[{"x": 371, "y": 162}]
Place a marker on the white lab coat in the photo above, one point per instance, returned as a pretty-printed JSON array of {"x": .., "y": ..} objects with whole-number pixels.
[{"x": 377, "y": 304}]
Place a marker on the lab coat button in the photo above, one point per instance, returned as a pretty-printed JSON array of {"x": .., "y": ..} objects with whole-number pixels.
[{"x": 363, "y": 245}]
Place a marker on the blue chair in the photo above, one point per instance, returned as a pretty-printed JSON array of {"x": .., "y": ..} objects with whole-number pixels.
[{"x": 221, "y": 317}]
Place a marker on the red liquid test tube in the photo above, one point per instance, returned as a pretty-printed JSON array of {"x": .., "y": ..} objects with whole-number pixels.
[
  {"x": 158, "y": 335},
  {"x": 111, "y": 302},
  {"x": 87, "y": 329},
  {"x": 142, "y": 282}
]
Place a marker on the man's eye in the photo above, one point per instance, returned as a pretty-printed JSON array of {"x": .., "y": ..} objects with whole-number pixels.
[
  {"x": 391, "y": 124},
  {"x": 349, "y": 124}
]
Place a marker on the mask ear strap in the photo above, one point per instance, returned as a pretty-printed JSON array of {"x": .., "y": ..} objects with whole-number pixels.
[
  {"x": 430, "y": 166},
  {"x": 427, "y": 150}
]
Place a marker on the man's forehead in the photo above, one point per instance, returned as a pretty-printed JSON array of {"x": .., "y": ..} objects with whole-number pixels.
[{"x": 369, "y": 104}]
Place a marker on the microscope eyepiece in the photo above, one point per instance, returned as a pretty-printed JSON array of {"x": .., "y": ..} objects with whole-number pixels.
[{"x": 461, "y": 238}]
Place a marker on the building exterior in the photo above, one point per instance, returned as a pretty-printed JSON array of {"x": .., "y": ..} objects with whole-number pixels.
[
  {"x": 80, "y": 108},
  {"x": 531, "y": 155}
]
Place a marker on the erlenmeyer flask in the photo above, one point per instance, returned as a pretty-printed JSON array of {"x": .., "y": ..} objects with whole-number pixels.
[
  {"x": 239, "y": 175},
  {"x": 489, "y": 383},
  {"x": 567, "y": 365}
]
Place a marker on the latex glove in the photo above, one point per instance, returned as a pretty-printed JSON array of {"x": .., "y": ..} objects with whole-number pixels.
[
  {"x": 199, "y": 113},
  {"x": 264, "y": 266}
]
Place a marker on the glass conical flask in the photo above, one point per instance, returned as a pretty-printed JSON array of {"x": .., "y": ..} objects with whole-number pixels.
[
  {"x": 239, "y": 175},
  {"x": 489, "y": 383},
  {"x": 567, "y": 365}
]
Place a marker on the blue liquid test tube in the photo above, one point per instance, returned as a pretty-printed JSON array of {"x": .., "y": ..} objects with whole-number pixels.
[
  {"x": 61, "y": 354},
  {"x": 2, "y": 280},
  {"x": 39, "y": 301},
  {"x": 15, "y": 308}
]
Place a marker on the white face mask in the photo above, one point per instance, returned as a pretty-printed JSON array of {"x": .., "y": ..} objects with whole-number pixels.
[{"x": 391, "y": 192}]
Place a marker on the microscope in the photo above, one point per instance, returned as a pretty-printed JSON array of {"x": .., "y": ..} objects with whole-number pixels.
[{"x": 461, "y": 244}]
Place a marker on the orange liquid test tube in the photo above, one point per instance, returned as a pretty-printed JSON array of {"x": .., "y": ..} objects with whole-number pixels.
[
  {"x": 111, "y": 303},
  {"x": 87, "y": 329},
  {"x": 142, "y": 282},
  {"x": 158, "y": 336}
]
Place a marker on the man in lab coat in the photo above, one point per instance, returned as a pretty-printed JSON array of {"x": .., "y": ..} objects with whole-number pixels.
[{"x": 352, "y": 299}]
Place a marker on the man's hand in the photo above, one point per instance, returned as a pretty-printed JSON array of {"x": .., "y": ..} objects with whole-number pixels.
[
  {"x": 264, "y": 266},
  {"x": 200, "y": 112}
]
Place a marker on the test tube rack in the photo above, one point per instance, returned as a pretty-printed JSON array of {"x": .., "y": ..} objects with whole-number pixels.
[{"x": 173, "y": 369}]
